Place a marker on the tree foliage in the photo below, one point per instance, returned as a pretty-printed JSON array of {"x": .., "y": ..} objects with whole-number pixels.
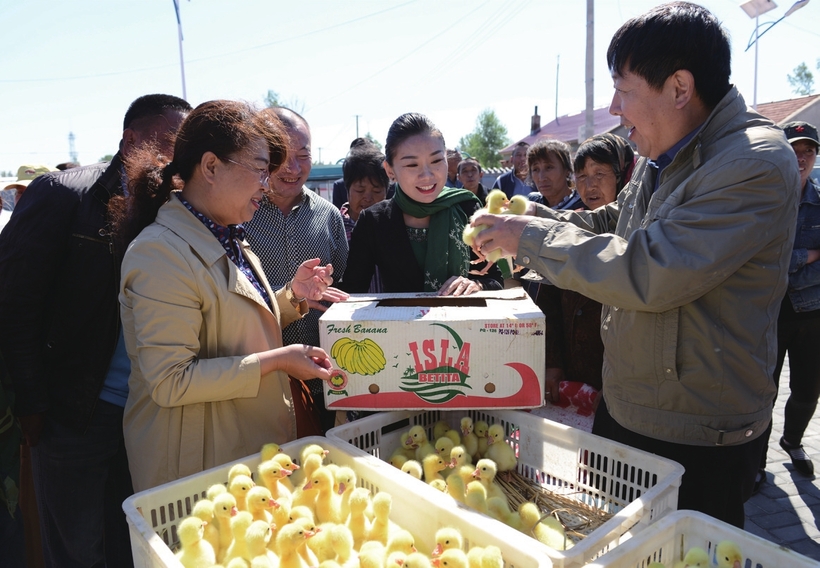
[
  {"x": 273, "y": 99},
  {"x": 484, "y": 143},
  {"x": 376, "y": 142},
  {"x": 802, "y": 81}
]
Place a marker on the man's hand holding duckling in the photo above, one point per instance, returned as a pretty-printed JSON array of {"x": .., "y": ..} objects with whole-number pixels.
[
  {"x": 502, "y": 232},
  {"x": 313, "y": 283}
]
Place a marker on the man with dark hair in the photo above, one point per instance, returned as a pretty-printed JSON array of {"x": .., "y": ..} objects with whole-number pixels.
[
  {"x": 690, "y": 262},
  {"x": 469, "y": 175},
  {"x": 516, "y": 181},
  {"x": 294, "y": 225},
  {"x": 64, "y": 349}
]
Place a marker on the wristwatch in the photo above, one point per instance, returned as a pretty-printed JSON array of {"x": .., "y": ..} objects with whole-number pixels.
[{"x": 294, "y": 301}]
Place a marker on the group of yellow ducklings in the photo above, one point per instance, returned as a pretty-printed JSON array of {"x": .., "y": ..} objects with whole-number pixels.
[
  {"x": 326, "y": 521},
  {"x": 727, "y": 555},
  {"x": 447, "y": 464}
]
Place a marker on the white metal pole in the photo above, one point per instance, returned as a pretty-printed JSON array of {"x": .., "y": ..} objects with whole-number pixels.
[
  {"x": 181, "y": 58},
  {"x": 757, "y": 27}
]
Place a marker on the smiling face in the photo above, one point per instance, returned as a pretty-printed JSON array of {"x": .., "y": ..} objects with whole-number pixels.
[
  {"x": 420, "y": 167},
  {"x": 550, "y": 178},
  {"x": 287, "y": 181},
  {"x": 597, "y": 184},
  {"x": 806, "y": 153},
  {"x": 645, "y": 113},
  {"x": 362, "y": 194},
  {"x": 239, "y": 190}
]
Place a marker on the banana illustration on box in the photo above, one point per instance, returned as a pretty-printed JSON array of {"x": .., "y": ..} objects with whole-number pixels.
[{"x": 363, "y": 357}]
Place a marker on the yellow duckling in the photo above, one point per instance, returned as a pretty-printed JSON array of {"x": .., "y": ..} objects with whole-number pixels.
[
  {"x": 257, "y": 540},
  {"x": 204, "y": 509},
  {"x": 447, "y": 538},
  {"x": 728, "y": 555},
  {"x": 476, "y": 496},
  {"x": 499, "y": 450},
  {"x": 485, "y": 472},
  {"x": 357, "y": 521},
  {"x": 268, "y": 451},
  {"x": 433, "y": 465},
  {"x": 468, "y": 437},
  {"x": 694, "y": 557},
  {"x": 239, "y": 528},
  {"x": 224, "y": 509},
  {"x": 421, "y": 443},
  {"x": 288, "y": 541},
  {"x": 480, "y": 430},
  {"x": 272, "y": 474},
  {"x": 380, "y": 527},
  {"x": 414, "y": 468},
  {"x": 239, "y": 487},
  {"x": 546, "y": 529},
  {"x": 196, "y": 552},
  {"x": 453, "y": 558},
  {"x": 261, "y": 504}
]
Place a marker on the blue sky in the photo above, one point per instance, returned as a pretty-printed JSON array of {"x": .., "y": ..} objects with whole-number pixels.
[{"x": 74, "y": 66}]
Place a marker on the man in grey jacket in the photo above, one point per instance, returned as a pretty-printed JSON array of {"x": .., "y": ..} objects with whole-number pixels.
[{"x": 690, "y": 262}]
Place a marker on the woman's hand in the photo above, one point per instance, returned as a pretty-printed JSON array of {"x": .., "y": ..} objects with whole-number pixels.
[
  {"x": 553, "y": 378},
  {"x": 313, "y": 282},
  {"x": 299, "y": 361},
  {"x": 459, "y": 286}
]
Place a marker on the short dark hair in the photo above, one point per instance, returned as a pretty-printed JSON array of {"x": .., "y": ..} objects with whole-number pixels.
[
  {"x": 361, "y": 142},
  {"x": 673, "y": 37},
  {"x": 469, "y": 161},
  {"x": 365, "y": 162},
  {"x": 608, "y": 149},
  {"x": 405, "y": 126},
  {"x": 150, "y": 106},
  {"x": 541, "y": 150},
  {"x": 288, "y": 117}
]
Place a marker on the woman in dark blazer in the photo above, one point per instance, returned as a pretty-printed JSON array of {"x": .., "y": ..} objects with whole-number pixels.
[{"x": 415, "y": 237}]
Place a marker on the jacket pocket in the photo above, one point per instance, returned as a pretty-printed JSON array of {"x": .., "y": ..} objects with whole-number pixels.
[{"x": 667, "y": 326}]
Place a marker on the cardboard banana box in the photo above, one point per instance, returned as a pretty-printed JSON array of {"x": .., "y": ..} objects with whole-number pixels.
[{"x": 420, "y": 351}]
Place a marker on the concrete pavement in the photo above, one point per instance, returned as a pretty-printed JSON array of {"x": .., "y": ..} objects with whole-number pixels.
[{"x": 787, "y": 508}]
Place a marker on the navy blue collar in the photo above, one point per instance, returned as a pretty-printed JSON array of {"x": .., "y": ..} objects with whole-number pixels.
[{"x": 666, "y": 158}]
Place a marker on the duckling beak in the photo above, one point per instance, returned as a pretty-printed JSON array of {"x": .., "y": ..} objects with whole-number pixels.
[
  {"x": 341, "y": 488},
  {"x": 234, "y": 511},
  {"x": 437, "y": 550}
]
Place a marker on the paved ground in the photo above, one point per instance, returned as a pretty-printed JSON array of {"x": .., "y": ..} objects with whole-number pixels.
[{"x": 787, "y": 509}]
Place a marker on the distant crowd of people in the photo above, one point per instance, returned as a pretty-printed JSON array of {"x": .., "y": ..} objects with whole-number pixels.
[{"x": 165, "y": 304}]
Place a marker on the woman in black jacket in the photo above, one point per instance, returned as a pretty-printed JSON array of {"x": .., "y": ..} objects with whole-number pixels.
[{"x": 414, "y": 238}]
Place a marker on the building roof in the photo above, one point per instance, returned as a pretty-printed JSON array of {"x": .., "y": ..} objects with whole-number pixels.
[
  {"x": 780, "y": 111},
  {"x": 565, "y": 128}
]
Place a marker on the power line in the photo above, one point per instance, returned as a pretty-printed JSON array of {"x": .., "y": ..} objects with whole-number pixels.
[{"x": 211, "y": 57}]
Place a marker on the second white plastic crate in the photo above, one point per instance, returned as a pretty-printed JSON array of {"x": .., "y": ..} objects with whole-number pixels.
[
  {"x": 668, "y": 540},
  {"x": 636, "y": 486},
  {"x": 154, "y": 514}
]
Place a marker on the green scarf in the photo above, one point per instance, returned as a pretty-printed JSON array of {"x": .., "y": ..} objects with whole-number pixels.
[{"x": 447, "y": 255}]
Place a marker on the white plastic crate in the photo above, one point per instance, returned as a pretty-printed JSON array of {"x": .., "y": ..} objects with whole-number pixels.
[
  {"x": 153, "y": 515},
  {"x": 636, "y": 486},
  {"x": 668, "y": 540}
]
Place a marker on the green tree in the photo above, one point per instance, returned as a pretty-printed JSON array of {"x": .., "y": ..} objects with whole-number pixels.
[
  {"x": 802, "y": 81},
  {"x": 107, "y": 158},
  {"x": 376, "y": 142},
  {"x": 489, "y": 136},
  {"x": 273, "y": 99}
]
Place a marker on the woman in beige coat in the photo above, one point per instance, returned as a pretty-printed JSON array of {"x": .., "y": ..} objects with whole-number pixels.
[{"x": 209, "y": 374}]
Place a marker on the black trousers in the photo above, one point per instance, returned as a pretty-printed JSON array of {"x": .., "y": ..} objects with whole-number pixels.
[
  {"x": 800, "y": 338},
  {"x": 718, "y": 479}
]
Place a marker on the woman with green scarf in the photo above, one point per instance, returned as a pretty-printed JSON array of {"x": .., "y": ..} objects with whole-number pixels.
[{"x": 415, "y": 237}]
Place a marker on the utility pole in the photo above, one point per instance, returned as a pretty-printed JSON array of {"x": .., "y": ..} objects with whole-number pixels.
[
  {"x": 589, "y": 122},
  {"x": 181, "y": 58},
  {"x": 357, "y": 125},
  {"x": 72, "y": 153},
  {"x": 557, "y": 67}
]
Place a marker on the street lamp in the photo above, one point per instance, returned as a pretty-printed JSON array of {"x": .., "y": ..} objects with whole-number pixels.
[{"x": 754, "y": 8}]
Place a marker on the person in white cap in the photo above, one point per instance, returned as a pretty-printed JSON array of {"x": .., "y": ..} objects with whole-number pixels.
[
  {"x": 25, "y": 175},
  {"x": 798, "y": 326}
]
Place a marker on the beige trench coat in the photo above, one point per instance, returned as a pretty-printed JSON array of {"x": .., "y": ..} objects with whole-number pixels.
[{"x": 192, "y": 324}]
